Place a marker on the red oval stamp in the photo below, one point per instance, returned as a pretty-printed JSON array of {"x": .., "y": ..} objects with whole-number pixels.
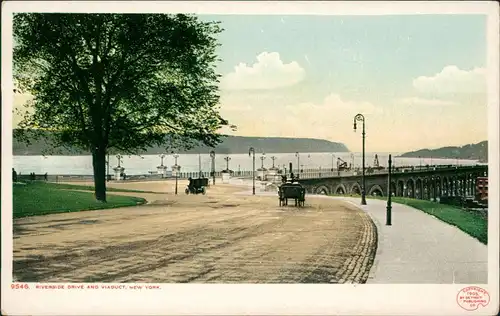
[{"x": 471, "y": 297}]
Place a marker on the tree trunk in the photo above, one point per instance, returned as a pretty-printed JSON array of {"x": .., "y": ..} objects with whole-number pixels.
[{"x": 99, "y": 164}]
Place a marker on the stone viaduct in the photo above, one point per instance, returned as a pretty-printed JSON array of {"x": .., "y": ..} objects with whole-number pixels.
[{"x": 428, "y": 184}]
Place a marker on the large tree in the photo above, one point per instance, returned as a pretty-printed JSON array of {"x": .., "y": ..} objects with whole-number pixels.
[{"x": 122, "y": 82}]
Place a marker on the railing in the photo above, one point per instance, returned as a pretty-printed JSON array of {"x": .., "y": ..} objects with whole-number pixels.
[
  {"x": 149, "y": 176},
  {"x": 308, "y": 173},
  {"x": 327, "y": 173}
]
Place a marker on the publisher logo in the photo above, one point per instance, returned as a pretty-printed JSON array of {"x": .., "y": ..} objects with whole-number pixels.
[{"x": 470, "y": 298}]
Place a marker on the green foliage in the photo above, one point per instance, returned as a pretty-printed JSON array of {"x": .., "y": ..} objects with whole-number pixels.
[
  {"x": 477, "y": 151},
  {"x": 39, "y": 198},
  {"x": 117, "y": 80}
]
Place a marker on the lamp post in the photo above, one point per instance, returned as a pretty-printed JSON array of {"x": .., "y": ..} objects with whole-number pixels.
[
  {"x": 119, "y": 158},
  {"x": 212, "y": 156},
  {"x": 200, "y": 174},
  {"x": 338, "y": 166},
  {"x": 107, "y": 170},
  {"x": 420, "y": 157},
  {"x": 176, "y": 172},
  {"x": 273, "y": 159},
  {"x": 333, "y": 159},
  {"x": 262, "y": 158},
  {"x": 227, "y": 159},
  {"x": 298, "y": 162},
  {"x": 119, "y": 169},
  {"x": 455, "y": 187},
  {"x": 388, "y": 216},
  {"x": 360, "y": 117},
  {"x": 251, "y": 152},
  {"x": 161, "y": 167}
]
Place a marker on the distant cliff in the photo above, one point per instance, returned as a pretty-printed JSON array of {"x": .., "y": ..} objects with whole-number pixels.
[
  {"x": 477, "y": 151},
  {"x": 230, "y": 145}
]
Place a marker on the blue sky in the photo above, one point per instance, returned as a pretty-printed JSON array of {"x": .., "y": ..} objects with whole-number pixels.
[
  {"x": 350, "y": 64},
  {"x": 382, "y": 53}
]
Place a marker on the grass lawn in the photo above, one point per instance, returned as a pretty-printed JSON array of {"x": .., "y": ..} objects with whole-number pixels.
[
  {"x": 468, "y": 222},
  {"x": 88, "y": 187},
  {"x": 41, "y": 198}
]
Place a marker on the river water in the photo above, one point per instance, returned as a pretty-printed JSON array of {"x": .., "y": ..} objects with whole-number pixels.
[{"x": 138, "y": 165}]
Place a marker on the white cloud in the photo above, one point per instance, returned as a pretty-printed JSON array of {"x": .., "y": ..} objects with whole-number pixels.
[
  {"x": 424, "y": 101},
  {"x": 453, "y": 80},
  {"x": 308, "y": 119},
  {"x": 329, "y": 118},
  {"x": 389, "y": 128},
  {"x": 331, "y": 105},
  {"x": 269, "y": 72}
]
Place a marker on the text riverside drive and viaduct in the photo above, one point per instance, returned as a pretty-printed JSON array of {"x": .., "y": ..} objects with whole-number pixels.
[{"x": 94, "y": 286}]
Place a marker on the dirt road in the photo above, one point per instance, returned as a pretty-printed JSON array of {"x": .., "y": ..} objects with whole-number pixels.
[{"x": 216, "y": 238}]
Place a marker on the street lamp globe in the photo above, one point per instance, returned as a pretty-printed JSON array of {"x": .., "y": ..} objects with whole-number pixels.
[{"x": 251, "y": 153}]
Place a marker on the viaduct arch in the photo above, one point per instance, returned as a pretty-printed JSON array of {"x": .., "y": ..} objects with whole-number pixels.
[{"x": 429, "y": 184}]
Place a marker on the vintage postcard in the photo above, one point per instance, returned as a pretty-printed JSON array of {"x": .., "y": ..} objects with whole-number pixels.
[{"x": 258, "y": 157}]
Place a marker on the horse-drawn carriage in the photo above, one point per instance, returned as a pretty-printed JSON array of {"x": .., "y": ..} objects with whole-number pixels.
[
  {"x": 196, "y": 186},
  {"x": 291, "y": 190}
]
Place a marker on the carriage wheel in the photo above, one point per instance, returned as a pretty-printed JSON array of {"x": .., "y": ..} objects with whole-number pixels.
[
  {"x": 187, "y": 191},
  {"x": 203, "y": 191}
]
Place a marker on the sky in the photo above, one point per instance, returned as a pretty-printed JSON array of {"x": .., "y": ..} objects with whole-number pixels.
[{"x": 419, "y": 80}]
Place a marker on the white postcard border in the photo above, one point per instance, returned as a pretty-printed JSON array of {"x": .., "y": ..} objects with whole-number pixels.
[{"x": 183, "y": 299}]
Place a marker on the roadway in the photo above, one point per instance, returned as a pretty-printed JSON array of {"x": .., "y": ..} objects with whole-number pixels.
[{"x": 221, "y": 237}]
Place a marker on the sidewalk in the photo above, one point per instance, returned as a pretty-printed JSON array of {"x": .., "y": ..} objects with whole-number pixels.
[{"x": 419, "y": 248}]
